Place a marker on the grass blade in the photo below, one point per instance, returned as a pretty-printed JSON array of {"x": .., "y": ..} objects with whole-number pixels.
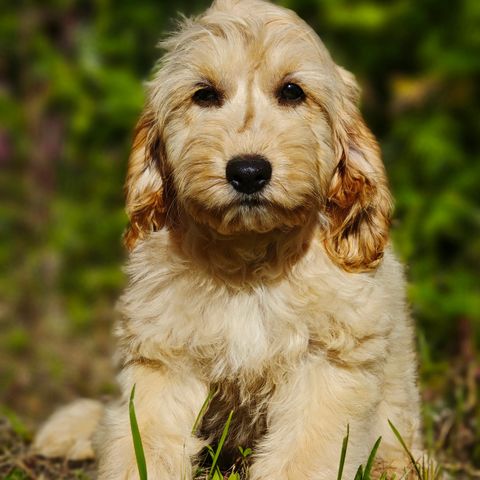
[
  {"x": 199, "y": 471},
  {"x": 402, "y": 442},
  {"x": 359, "y": 474},
  {"x": 371, "y": 459},
  {"x": 137, "y": 439},
  {"x": 202, "y": 411},
  {"x": 220, "y": 444},
  {"x": 245, "y": 452},
  {"x": 343, "y": 454}
]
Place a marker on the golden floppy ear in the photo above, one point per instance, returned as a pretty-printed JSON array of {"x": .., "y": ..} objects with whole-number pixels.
[
  {"x": 144, "y": 187},
  {"x": 359, "y": 203}
]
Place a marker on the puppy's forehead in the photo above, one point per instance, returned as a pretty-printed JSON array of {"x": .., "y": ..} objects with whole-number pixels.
[{"x": 237, "y": 36}]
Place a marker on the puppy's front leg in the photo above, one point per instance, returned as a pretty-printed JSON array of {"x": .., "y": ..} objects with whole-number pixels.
[
  {"x": 166, "y": 405},
  {"x": 307, "y": 420}
]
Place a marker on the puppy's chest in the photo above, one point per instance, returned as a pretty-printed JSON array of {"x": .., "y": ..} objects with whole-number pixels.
[
  {"x": 249, "y": 342},
  {"x": 248, "y": 331}
]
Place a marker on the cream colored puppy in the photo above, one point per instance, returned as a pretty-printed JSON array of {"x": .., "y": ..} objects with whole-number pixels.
[{"x": 260, "y": 266}]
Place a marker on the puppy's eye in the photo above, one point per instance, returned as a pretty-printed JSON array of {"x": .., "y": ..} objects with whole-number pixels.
[
  {"x": 208, "y": 97},
  {"x": 291, "y": 94}
]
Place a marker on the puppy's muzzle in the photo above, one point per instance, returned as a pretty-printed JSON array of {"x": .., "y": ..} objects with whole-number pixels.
[{"x": 249, "y": 173}]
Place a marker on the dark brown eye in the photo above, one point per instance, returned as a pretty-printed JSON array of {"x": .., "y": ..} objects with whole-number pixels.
[
  {"x": 291, "y": 94},
  {"x": 208, "y": 97}
]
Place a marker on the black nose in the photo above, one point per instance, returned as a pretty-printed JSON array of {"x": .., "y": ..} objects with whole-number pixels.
[{"x": 249, "y": 173}]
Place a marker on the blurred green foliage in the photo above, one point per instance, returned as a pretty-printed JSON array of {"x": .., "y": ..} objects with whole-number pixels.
[{"x": 70, "y": 94}]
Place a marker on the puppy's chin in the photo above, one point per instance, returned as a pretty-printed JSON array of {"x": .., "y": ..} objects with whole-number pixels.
[{"x": 249, "y": 215}]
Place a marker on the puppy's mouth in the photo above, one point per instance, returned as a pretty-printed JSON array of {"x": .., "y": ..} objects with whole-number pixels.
[
  {"x": 249, "y": 213},
  {"x": 252, "y": 202}
]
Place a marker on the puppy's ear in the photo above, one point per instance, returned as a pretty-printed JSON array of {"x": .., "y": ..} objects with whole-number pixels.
[
  {"x": 359, "y": 203},
  {"x": 144, "y": 187}
]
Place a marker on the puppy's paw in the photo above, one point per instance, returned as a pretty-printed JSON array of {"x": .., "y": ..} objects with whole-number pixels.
[{"x": 68, "y": 432}]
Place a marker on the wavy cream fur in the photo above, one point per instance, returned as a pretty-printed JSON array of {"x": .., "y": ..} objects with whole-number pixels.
[{"x": 292, "y": 310}]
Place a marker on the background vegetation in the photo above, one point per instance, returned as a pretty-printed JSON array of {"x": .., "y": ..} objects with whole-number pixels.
[{"x": 71, "y": 77}]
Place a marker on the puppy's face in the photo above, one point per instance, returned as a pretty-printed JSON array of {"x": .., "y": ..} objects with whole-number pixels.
[
  {"x": 247, "y": 141},
  {"x": 249, "y": 127}
]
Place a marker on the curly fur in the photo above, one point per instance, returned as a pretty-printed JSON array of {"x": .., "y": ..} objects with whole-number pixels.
[{"x": 292, "y": 309}]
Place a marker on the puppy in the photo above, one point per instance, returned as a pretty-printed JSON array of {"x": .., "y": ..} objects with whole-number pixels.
[{"x": 260, "y": 267}]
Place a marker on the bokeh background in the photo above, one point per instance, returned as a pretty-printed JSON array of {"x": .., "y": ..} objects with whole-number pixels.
[{"x": 71, "y": 76}]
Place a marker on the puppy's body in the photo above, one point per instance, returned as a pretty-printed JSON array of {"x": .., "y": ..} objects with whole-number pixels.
[
  {"x": 286, "y": 301},
  {"x": 296, "y": 357}
]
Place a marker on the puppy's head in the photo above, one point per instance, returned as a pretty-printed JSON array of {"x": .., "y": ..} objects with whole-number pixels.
[{"x": 249, "y": 127}]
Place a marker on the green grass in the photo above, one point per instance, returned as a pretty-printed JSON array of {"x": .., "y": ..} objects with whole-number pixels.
[
  {"x": 427, "y": 469},
  {"x": 363, "y": 473},
  {"x": 214, "y": 470},
  {"x": 137, "y": 439},
  {"x": 16, "y": 474},
  {"x": 202, "y": 411}
]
